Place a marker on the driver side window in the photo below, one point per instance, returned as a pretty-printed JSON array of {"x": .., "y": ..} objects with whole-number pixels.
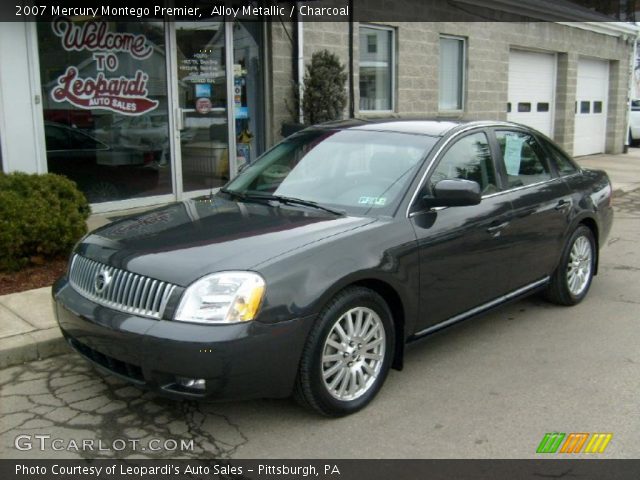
[{"x": 468, "y": 159}]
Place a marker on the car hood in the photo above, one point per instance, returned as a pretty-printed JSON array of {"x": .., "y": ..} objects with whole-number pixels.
[{"x": 183, "y": 241}]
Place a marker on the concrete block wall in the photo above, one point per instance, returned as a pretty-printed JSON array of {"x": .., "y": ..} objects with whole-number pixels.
[
  {"x": 331, "y": 36},
  {"x": 280, "y": 51},
  {"x": 566, "y": 82},
  {"x": 487, "y": 68},
  {"x": 618, "y": 110}
]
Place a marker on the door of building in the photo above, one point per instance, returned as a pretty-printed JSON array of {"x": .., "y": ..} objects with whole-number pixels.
[
  {"x": 204, "y": 136},
  {"x": 591, "y": 107},
  {"x": 531, "y": 89},
  {"x": 217, "y": 86}
]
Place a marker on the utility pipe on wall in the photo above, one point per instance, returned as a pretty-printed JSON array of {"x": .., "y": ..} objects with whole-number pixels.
[{"x": 300, "y": 45}]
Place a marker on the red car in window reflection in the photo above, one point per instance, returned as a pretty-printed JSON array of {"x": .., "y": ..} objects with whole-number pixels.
[{"x": 103, "y": 172}]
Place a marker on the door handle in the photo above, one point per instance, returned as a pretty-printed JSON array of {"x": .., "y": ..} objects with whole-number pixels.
[
  {"x": 179, "y": 119},
  {"x": 496, "y": 229},
  {"x": 563, "y": 205}
]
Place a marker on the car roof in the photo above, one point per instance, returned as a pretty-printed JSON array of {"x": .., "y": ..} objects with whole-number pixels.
[{"x": 430, "y": 127}]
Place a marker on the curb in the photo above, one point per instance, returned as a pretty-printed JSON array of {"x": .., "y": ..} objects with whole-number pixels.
[{"x": 36, "y": 345}]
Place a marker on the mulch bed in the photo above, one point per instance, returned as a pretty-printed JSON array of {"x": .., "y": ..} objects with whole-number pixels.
[{"x": 34, "y": 276}]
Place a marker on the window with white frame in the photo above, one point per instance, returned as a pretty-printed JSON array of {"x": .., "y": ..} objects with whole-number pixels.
[
  {"x": 452, "y": 65},
  {"x": 377, "y": 68}
]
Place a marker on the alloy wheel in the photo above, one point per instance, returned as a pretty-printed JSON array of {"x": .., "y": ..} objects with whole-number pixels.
[
  {"x": 580, "y": 266},
  {"x": 353, "y": 354}
]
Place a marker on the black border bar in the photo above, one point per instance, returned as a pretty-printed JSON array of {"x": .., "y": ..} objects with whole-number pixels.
[
  {"x": 574, "y": 469},
  {"x": 326, "y": 10}
]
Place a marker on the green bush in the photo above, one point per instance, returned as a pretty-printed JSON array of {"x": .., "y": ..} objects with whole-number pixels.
[
  {"x": 324, "y": 93},
  {"x": 41, "y": 217}
]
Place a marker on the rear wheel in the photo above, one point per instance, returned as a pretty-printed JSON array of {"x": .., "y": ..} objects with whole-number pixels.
[
  {"x": 572, "y": 279},
  {"x": 347, "y": 355}
]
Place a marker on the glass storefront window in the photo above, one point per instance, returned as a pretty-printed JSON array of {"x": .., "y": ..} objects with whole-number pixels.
[{"x": 105, "y": 106}]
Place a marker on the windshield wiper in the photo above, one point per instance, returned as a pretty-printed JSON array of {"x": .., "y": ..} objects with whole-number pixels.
[
  {"x": 282, "y": 199},
  {"x": 294, "y": 201},
  {"x": 306, "y": 203}
]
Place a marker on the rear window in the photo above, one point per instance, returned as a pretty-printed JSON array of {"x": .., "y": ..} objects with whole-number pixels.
[
  {"x": 563, "y": 164},
  {"x": 523, "y": 159}
]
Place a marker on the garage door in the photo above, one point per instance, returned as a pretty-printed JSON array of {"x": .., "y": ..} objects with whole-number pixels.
[
  {"x": 591, "y": 107},
  {"x": 531, "y": 89}
]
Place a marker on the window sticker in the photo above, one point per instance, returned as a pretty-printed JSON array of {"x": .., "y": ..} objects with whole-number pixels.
[
  {"x": 376, "y": 201},
  {"x": 513, "y": 153}
]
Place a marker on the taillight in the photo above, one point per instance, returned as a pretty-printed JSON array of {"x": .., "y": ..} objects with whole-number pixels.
[{"x": 147, "y": 158}]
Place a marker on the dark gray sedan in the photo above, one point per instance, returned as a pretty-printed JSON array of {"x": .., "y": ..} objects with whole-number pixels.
[{"x": 310, "y": 271}]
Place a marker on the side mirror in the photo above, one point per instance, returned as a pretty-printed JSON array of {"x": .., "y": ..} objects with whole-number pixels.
[{"x": 454, "y": 193}]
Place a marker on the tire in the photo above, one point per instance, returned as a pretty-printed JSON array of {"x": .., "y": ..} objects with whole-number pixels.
[
  {"x": 354, "y": 319},
  {"x": 571, "y": 281}
]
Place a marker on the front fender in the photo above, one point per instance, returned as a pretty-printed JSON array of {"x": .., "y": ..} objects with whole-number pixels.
[{"x": 304, "y": 282}]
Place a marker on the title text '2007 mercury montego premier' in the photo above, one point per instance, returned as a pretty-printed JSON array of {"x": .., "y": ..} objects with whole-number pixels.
[{"x": 309, "y": 272}]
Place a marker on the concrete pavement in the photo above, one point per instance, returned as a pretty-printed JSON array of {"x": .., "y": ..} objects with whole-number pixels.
[
  {"x": 28, "y": 330},
  {"x": 623, "y": 170}
]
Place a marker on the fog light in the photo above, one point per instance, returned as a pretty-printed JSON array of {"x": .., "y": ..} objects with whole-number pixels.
[{"x": 193, "y": 383}]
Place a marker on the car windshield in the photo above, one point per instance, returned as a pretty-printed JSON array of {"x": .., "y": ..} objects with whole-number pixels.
[{"x": 358, "y": 171}]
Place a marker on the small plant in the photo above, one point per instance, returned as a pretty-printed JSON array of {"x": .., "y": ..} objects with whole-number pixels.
[
  {"x": 41, "y": 217},
  {"x": 324, "y": 96}
]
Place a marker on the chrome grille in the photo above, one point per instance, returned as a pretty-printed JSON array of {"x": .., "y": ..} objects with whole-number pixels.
[{"x": 127, "y": 292}]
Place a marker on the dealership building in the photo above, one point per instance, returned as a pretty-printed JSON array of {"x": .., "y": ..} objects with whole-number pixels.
[{"x": 146, "y": 112}]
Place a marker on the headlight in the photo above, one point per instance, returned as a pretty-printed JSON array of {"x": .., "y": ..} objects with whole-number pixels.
[{"x": 225, "y": 297}]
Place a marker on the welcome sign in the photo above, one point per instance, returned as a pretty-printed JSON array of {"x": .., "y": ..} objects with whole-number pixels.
[{"x": 124, "y": 95}]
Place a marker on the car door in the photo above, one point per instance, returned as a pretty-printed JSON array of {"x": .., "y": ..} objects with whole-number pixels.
[
  {"x": 462, "y": 249},
  {"x": 541, "y": 205}
]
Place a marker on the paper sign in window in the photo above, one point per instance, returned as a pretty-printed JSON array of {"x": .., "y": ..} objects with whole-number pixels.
[{"x": 513, "y": 154}]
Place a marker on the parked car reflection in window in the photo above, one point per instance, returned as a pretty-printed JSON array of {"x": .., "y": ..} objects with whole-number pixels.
[{"x": 103, "y": 172}]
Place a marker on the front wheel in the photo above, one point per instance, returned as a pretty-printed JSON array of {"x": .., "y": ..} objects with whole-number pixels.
[
  {"x": 572, "y": 279},
  {"x": 347, "y": 355}
]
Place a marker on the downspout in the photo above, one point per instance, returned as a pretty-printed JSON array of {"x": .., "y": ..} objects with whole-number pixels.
[
  {"x": 632, "y": 90},
  {"x": 352, "y": 106},
  {"x": 300, "y": 65},
  {"x": 296, "y": 41}
]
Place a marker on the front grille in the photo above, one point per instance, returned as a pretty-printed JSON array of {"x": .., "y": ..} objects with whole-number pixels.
[
  {"x": 125, "y": 369},
  {"x": 124, "y": 291}
]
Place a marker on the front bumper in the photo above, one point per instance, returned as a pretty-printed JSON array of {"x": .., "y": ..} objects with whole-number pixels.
[{"x": 239, "y": 361}]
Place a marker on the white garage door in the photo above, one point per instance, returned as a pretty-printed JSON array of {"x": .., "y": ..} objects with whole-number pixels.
[
  {"x": 531, "y": 89},
  {"x": 591, "y": 107}
]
